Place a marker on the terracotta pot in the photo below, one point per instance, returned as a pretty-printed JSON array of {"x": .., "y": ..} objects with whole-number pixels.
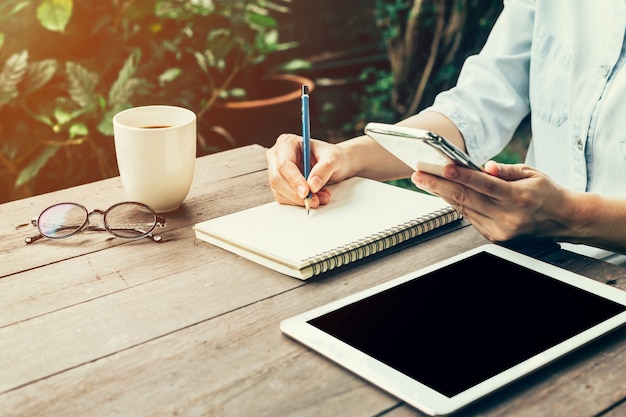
[{"x": 262, "y": 120}]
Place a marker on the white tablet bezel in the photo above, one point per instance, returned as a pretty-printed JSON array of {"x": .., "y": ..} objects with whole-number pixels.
[{"x": 419, "y": 395}]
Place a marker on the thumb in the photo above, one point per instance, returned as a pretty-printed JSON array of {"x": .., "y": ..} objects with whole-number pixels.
[{"x": 507, "y": 172}]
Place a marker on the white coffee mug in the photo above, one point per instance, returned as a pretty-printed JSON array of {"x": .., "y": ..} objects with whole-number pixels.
[{"x": 156, "y": 153}]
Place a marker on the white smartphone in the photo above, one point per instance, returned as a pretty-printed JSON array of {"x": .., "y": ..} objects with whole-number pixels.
[{"x": 419, "y": 149}]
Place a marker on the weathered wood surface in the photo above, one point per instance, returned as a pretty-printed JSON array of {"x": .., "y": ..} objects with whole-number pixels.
[{"x": 94, "y": 326}]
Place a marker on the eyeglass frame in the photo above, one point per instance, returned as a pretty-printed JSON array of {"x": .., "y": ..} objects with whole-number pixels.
[{"x": 159, "y": 221}]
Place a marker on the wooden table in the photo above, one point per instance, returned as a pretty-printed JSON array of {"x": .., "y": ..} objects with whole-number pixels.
[{"x": 96, "y": 326}]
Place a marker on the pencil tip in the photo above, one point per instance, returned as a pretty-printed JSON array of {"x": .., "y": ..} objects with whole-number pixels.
[{"x": 307, "y": 205}]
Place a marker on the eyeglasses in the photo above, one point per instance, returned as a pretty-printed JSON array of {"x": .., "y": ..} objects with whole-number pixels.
[{"x": 127, "y": 220}]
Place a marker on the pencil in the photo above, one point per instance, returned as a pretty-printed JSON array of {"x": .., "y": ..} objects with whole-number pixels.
[{"x": 306, "y": 142}]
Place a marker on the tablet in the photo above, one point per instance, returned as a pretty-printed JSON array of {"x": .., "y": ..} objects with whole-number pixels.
[{"x": 444, "y": 336}]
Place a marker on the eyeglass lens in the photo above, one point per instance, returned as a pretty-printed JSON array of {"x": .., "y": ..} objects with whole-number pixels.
[
  {"x": 130, "y": 220},
  {"x": 62, "y": 220}
]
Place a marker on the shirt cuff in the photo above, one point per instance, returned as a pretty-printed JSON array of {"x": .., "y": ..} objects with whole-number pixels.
[{"x": 457, "y": 116}]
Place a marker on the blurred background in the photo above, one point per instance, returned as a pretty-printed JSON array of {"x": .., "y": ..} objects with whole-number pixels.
[{"x": 68, "y": 66}]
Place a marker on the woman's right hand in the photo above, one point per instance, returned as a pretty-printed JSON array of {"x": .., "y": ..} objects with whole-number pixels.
[{"x": 329, "y": 165}]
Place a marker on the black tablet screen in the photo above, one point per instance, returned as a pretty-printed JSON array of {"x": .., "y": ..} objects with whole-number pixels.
[{"x": 458, "y": 326}]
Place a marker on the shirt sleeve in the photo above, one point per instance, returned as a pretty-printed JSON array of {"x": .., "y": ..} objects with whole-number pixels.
[{"x": 490, "y": 98}]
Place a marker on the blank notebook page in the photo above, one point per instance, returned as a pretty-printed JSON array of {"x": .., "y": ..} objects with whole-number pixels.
[{"x": 358, "y": 209}]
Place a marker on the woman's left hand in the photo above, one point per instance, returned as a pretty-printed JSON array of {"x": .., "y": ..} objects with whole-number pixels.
[{"x": 505, "y": 202}]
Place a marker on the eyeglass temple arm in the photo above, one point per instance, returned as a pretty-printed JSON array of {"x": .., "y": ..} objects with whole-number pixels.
[
  {"x": 32, "y": 239},
  {"x": 160, "y": 222}
]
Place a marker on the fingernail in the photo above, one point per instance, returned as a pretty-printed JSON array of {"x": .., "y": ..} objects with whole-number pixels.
[
  {"x": 323, "y": 198},
  {"x": 302, "y": 191},
  {"x": 315, "y": 183}
]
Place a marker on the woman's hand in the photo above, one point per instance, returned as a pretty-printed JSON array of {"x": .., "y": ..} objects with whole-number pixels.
[
  {"x": 513, "y": 201},
  {"x": 329, "y": 163},
  {"x": 332, "y": 163}
]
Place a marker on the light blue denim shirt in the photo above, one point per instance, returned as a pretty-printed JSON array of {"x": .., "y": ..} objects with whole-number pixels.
[{"x": 562, "y": 61}]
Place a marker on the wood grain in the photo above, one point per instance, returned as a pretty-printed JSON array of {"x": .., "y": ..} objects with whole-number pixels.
[{"x": 95, "y": 326}]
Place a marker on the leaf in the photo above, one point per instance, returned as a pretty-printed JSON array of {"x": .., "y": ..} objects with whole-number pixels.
[
  {"x": 168, "y": 10},
  {"x": 78, "y": 129},
  {"x": 296, "y": 65},
  {"x": 82, "y": 84},
  {"x": 32, "y": 169},
  {"x": 14, "y": 6},
  {"x": 11, "y": 75},
  {"x": 169, "y": 75},
  {"x": 278, "y": 7},
  {"x": 271, "y": 38},
  {"x": 124, "y": 87},
  {"x": 202, "y": 61},
  {"x": 237, "y": 93},
  {"x": 1, "y": 39},
  {"x": 106, "y": 124},
  {"x": 39, "y": 73},
  {"x": 44, "y": 118},
  {"x": 65, "y": 112},
  {"x": 202, "y": 7},
  {"x": 222, "y": 41},
  {"x": 55, "y": 14},
  {"x": 264, "y": 21},
  {"x": 62, "y": 116},
  {"x": 266, "y": 42}
]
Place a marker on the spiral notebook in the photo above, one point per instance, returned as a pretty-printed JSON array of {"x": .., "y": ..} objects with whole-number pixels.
[{"x": 364, "y": 218}]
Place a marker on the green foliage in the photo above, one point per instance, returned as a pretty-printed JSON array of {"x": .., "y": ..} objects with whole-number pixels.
[
  {"x": 427, "y": 42},
  {"x": 55, "y": 14},
  {"x": 377, "y": 97},
  {"x": 11, "y": 75},
  {"x": 386, "y": 99},
  {"x": 67, "y": 67}
]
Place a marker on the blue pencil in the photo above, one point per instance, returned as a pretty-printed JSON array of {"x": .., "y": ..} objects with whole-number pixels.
[{"x": 306, "y": 141}]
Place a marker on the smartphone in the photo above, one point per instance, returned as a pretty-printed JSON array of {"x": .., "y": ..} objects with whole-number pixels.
[{"x": 419, "y": 149}]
